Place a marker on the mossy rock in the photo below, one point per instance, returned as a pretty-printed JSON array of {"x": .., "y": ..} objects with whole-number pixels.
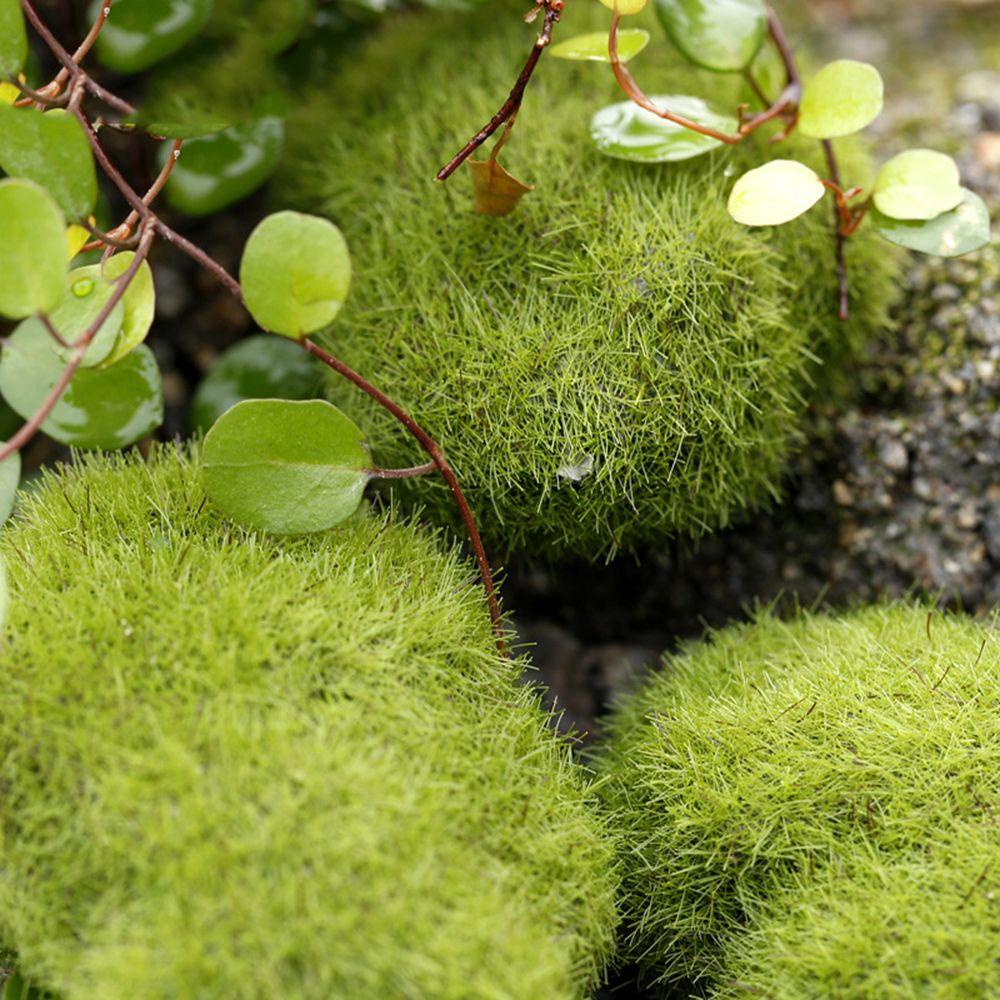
[
  {"x": 769, "y": 767},
  {"x": 617, "y": 361},
  {"x": 240, "y": 766}
]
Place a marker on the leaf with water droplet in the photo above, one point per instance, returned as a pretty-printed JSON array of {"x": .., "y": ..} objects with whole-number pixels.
[
  {"x": 285, "y": 467},
  {"x": 139, "y": 302},
  {"x": 86, "y": 296}
]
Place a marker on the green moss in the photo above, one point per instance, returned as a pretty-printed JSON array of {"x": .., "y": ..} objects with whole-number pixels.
[
  {"x": 238, "y": 766},
  {"x": 618, "y": 321},
  {"x": 923, "y": 927},
  {"x": 762, "y": 762}
]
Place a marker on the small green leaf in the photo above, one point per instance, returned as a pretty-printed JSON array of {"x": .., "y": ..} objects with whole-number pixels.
[
  {"x": 918, "y": 184},
  {"x": 295, "y": 273},
  {"x": 594, "y": 47},
  {"x": 13, "y": 38},
  {"x": 842, "y": 98},
  {"x": 193, "y": 126},
  {"x": 51, "y": 150},
  {"x": 952, "y": 234},
  {"x": 86, "y": 295},
  {"x": 10, "y": 479},
  {"x": 285, "y": 467},
  {"x": 139, "y": 33},
  {"x": 215, "y": 171},
  {"x": 774, "y": 194},
  {"x": 101, "y": 408},
  {"x": 720, "y": 35},
  {"x": 139, "y": 302},
  {"x": 627, "y": 132},
  {"x": 260, "y": 367},
  {"x": 625, "y": 7},
  {"x": 32, "y": 250}
]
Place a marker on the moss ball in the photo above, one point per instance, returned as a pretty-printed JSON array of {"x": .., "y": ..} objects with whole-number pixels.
[
  {"x": 923, "y": 927},
  {"x": 248, "y": 767},
  {"x": 763, "y": 764},
  {"x": 615, "y": 362}
]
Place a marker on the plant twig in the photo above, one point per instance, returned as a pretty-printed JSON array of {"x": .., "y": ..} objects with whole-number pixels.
[
  {"x": 410, "y": 473},
  {"x": 510, "y": 107}
]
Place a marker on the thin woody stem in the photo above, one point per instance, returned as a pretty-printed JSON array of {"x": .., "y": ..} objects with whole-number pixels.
[
  {"x": 88, "y": 43},
  {"x": 411, "y": 473},
  {"x": 510, "y": 107},
  {"x": 843, "y": 310},
  {"x": 437, "y": 456},
  {"x": 28, "y": 431}
]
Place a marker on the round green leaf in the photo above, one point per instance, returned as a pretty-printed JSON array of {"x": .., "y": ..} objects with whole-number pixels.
[
  {"x": 960, "y": 231},
  {"x": 295, "y": 273},
  {"x": 101, "y": 408},
  {"x": 594, "y": 47},
  {"x": 139, "y": 33},
  {"x": 139, "y": 303},
  {"x": 774, "y": 194},
  {"x": 51, "y": 150},
  {"x": 215, "y": 171},
  {"x": 260, "y": 367},
  {"x": 10, "y": 479},
  {"x": 13, "y": 38},
  {"x": 625, "y": 7},
  {"x": 285, "y": 467},
  {"x": 721, "y": 35},
  {"x": 842, "y": 98},
  {"x": 86, "y": 295},
  {"x": 918, "y": 184},
  {"x": 627, "y": 132},
  {"x": 32, "y": 250}
]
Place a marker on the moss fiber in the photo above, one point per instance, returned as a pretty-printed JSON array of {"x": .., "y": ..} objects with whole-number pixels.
[
  {"x": 617, "y": 321},
  {"x": 786, "y": 790},
  {"x": 236, "y": 766}
]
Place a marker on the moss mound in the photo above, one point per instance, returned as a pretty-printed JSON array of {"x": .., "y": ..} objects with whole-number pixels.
[
  {"x": 235, "y": 766},
  {"x": 615, "y": 362},
  {"x": 926, "y": 927},
  {"x": 769, "y": 767}
]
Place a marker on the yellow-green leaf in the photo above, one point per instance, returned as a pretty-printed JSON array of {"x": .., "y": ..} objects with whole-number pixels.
[
  {"x": 918, "y": 184},
  {"x": 774, "y": 194},
  {"x": 593, "y": 47},
  {"x": 842, "y": 98}
]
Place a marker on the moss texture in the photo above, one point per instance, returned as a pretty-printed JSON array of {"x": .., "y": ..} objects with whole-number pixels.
[
  {"x": 619, "y": 327},
  {"x": 235, "y": 766},
  {"x": 770, "y": 769}
]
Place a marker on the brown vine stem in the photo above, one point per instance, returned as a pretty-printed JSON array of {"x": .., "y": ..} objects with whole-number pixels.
[
  {"x": 510, "y": 107},
  {"x": 437, "y": 457}
]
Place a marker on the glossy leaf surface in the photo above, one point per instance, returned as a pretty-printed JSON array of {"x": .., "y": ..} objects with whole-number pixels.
[
  {"x": 295, "y": 273},
  {"x": 139, "y": 303},
  {"x": 51, "y": 150},
  {"x": 102, "y": 407},
  {"x": 774, "y": 194},
  {"x": 842, "y": 98},
  {"x": 952, "y": 234},
  {"x": 139, "y": 33},
  {"x": 86, "y": 296},
  {"x": 260, "y": 367},
  {"x": 628, "y": 132},
  {"x": 13, "y": 38},
  {"x": 285, "y": 467},
  {"x": 594, "y": 46},
  {"x": 215, "y": 171},
  {"x": 918, "y": 184},
  {"x": 32, "y": 250},
  {"x": 721, "y": 35}
]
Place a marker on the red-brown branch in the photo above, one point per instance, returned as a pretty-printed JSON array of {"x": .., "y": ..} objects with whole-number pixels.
[
  {"x": 437, "y": 456},
  {"x": 510, "y": 107}
]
